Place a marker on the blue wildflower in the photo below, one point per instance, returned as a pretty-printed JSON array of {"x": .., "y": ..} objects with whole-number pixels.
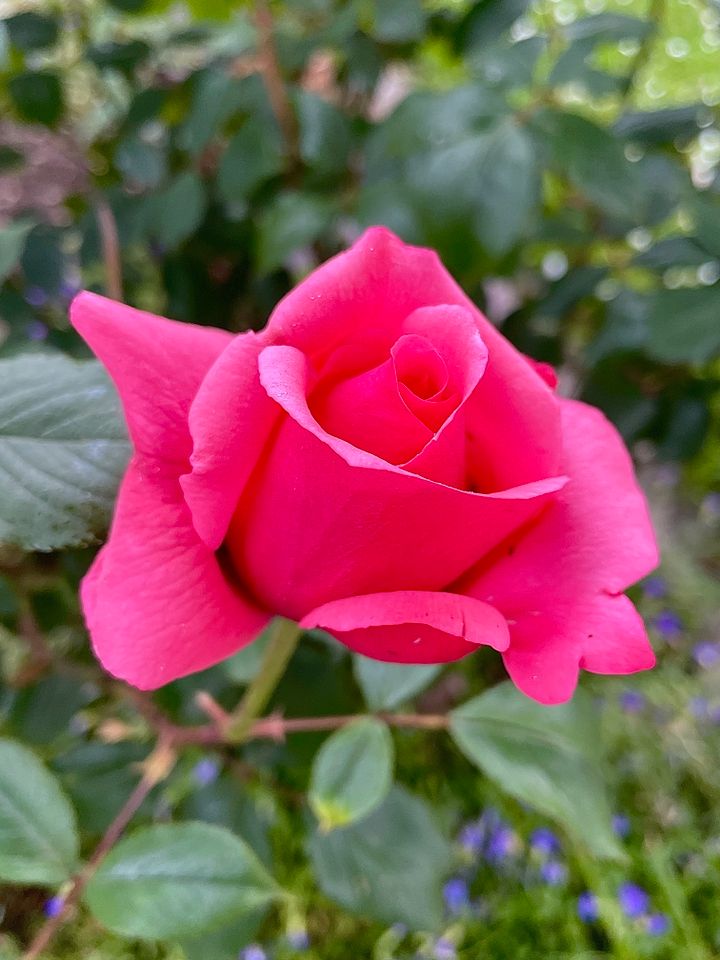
[
  {"x": 472, "y": 838},
  {"x": 657, "y": 924},
  {"x": 36, "y": 297},
  {"x": 544, "y": 841},
  {"x": 553, "y": 873},
  {"x": 298, "y": 939},
  {"x": 456, "y": 894},
  {"x": 655, "y": 587},
  {"x": 444, "y": 949},
  {"x": 668, "y": 624},
  {"x": 502, "y": 843},
  {"x": 587, "y": 907},
  {"x": 632, "y": 701},
  {"x": 53, "y": 907},
  {"x": 206, "y": 771},
  {"x": 252, "y": 952},
  {"x": 621, "y": 825},
  {"x": 633, "y": 900},
  {"x": 706, "y": 654}
]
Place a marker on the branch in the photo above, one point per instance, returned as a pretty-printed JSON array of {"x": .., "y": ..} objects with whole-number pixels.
[
  {"x": 272, "y": 77},
  {"x": 156, "y": 768},
  {"x": 110, "y": 248}
]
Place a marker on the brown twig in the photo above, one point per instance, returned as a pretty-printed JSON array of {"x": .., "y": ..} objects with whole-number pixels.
[
  {"x": 110, "y": 243},
  {"x": 156, "y": 768},
  {"x": 269, "y": 67}
]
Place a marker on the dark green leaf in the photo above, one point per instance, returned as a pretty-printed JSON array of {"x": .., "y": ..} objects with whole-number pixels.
[
  {"x": 142, "y": 164},
  {"x": 398, "y": 21},
  {"x": 227, "y": 942},
  {"x": 389, "y": 866},
  {"x": 37, "y": 96},
  {"x": 607, "y": 28},
  {"x": 63, "y": 448},
  {"x": 128, "y": 6},
  {"x": 684, "y": 325},
  {"x": 386, "y": 686},
  {"x": 178, "y": 210},
  {"x": 38, "y": 834},
  {"x": 352, "y": 773},
  {"x": 243, "y": 665},
  {"x": 12, "y": 243},
  {"x": 487, "y": 20},
  {"x": 625, "y": 328},
  {"x": 216, "y": 96},
  {"x": 43, "y": 711},
  {"x": 119, "y": 56},
  {"x": 324, "y": 134},
  {"x": 10, "y": 159},
  {"x": 660, "y": 126},
  {"x": 544, "y": 756},
  {"x": 178, "y": 880},
  {"x": 293, "y": 220},
  {"x": 253, "y": 156},
  {"x": 672, "y": 252},
  {"x": 32, "y": 31}
]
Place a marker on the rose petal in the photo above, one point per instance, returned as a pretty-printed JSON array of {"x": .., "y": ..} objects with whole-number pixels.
[
  {"x": 157, "y": 366},
  {"x": 411, "y": 626},
  {"x": 156, "y": 602},
  {"x": 231, "y": 420},
  {"x": 558, "y": 581},
  {"x": 327, "y": 520}
]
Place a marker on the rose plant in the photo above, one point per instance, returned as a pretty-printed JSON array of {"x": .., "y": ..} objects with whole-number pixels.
[{"x": 378, "y": 462}]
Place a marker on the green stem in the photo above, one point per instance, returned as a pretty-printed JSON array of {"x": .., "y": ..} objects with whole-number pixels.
[
  {"x": 683, "y": 918},
  {"x": 284, "y": 637}
]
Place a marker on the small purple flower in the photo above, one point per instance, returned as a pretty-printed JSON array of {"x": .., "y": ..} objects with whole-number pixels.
[
  {"x": 53, "y": 907},
  {"x": 206, "y": 771},
  {"x": 472, "y": 838},
  {"x": 36, "y": 330},
  {"x": 668, "y": 624},
  {"x": 698, "y": 707},
  {"x": 544, "y": 841},
  {"x": 655, "y": 587},
  {"x": 706, "y": 654},
  {"x": 621, "y": 825},
  {"x": 632, "y": 701},
  {"x": 502, "y": 843},
  {"x": 657, "y": 924},
  {"x": 253, "y": 952},
  {"x": 633, "y": 900},
  {"x": 298, "y": 939},
  {"x": 553, "y": 873},
  {"x": 587, "y": 907},
  {"x": 444, "y": 949},
  {"x": 36, "y": 297},
  {"x": 456, "y": 895}
]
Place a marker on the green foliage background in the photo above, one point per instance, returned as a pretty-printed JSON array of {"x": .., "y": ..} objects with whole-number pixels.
[{"x": 198, "y": 159}]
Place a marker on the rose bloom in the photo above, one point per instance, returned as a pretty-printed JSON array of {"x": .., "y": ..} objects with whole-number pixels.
[{"x": 379, "y": 462}]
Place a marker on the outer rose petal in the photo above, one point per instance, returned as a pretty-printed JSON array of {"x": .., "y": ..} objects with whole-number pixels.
[
  {"x": 231, "y": 420},
  {"x": 411, "y": 626},
  {"x": 559, "y": 581},
  {"x": 324, "y": 520},
  {"x": 157, "y": 366},
  {"x": 156, "y": 602}
]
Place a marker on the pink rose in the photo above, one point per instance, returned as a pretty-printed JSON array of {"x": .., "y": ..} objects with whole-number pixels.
[{"x": 378, "y": 462}]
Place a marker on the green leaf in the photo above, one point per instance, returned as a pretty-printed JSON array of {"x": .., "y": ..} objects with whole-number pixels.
[
  {"x": 216, "y": 96},
  {"x": 254, "y": 155},
  {"x": 324, "y": 134},
  {"x": 544, "y": 756},
  {"x": 10, "y": 158},
  {"x": 178, "y": 210},
  {"x": 37, "y": 96},
  {"x": 227, "y": 942},
  {"x": 387, "y": 685},
  {"x": 491, "y": 177},
  {"x": 293, "y": 220},
  {"x": 398, "y": 21},
  {"x": 352, "y": 773},
  {"x": 487, "y": 20},
  {"x": 173, "y": 881},
  {"x": 660, "y": 126},
  {"x": 32, "y": 31},
  {"x": 38, "y": 834},
  {"x": 608, "y": 28},
  {"x": 128, "y": 6},
  {"x": 12, "y": 244},
  {"x": 63, "y": 450},
  {"x": 119, "y": 56},
  {"x": 684, "y": 325},
  {"x": 242, "y": 666},
  {"x": 594, "y": 162},
  {"x": 389, "y": 866},
  {"x": 142, "y": 164}
]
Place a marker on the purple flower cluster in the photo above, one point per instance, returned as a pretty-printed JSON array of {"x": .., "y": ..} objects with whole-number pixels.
[{"x": 634, "y": 902}]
